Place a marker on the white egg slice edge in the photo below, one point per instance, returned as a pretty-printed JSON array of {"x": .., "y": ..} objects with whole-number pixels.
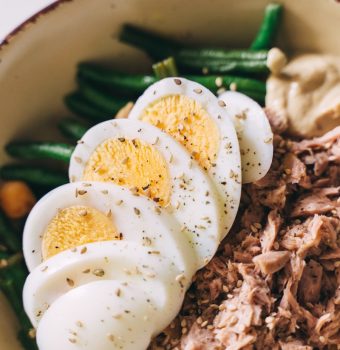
[
  {"x": 254, "y": 134},
  {"x": 194, "y": 199},
  {"x": 93, "y": 316},
  {"x": 226, "y": 175},
  {"x": 110, "y": 260},
  {"x": 156, "y": 228}
]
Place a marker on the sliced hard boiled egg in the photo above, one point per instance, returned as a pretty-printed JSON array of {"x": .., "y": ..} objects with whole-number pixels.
[
  {"x": 192, "y": 115},
  {"x": 139, "y": 156},
  {"x": 254, "y": 134},
  {"x": 59, "y": 222},
  {"x": 101, "y": 315},
  {"x": 111, "y": 260}
]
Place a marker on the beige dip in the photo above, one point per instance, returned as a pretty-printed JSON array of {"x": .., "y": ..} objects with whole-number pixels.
[{"x": 307, "y": 93}]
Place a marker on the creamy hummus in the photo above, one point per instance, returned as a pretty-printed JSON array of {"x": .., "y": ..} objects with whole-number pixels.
[{"x": 307, "y": 93}]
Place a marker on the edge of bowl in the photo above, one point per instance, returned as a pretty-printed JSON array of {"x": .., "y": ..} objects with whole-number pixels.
[{"x": 23, "y": 26}]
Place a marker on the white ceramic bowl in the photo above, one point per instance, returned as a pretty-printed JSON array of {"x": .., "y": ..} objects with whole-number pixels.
[{"x": 37, "y": 62}]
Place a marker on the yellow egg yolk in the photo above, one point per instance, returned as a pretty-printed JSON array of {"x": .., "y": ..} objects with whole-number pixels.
[
  {"x": 189, "y": 123},
  {"x": 75, "y": 226},
  {"x": 131, "y": 163}
]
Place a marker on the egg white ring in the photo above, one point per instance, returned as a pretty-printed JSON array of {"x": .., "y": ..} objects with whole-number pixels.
[
  {"x": 117, "y": 260},
  {"x": 227, "y": 172},
  {"x": 196, "y": 206},
  {"x": 160, "y": 227},
  {"x": 254, "y": 133},
  {"x": 93, "y": 316}
]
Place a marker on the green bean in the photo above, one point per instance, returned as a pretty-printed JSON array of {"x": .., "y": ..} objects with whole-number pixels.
[
  {"x": 14, "y": 269},
  {"x": 101, "y": 99},
  {"x": 12, "y": 279},
  {"x": 258, "y": 97},
  {"x": 209, "y": 66},
  {"x": 127, "y": 84},
  {"x": 77, "y": 104},
  {"x": 33, "y": 175},
  {"x": 221, "y": 54},
  {"x": 165, "y": 68},
  {"x": 26, "y": 339},
  {"x": 40, "y": 150},
  {"x": 72, "y": 128},
  {"x": 12, "y": 275},
  {"x": 267, "y": 32},
  {"x": 7, "y": 286},
  {"x": 214, "y": 82},
  {"x": 4, "y": 255},
  {"x": 8, "y": 236},
  {"x": 156, "y": 46}
]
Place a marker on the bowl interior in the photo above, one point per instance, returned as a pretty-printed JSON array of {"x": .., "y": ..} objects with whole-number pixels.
[{"x": 37, "y": 67}]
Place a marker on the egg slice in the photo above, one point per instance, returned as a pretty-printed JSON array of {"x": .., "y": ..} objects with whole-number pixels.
[
  {"x": 193, "y": 116},
  {"x": 139, "y": 156},
  {"x": 111, "y": 260},
  {"x": 97, "y": 316},
  {"x": 59, "y": 221},
  {"x": 254, "y": 134}
]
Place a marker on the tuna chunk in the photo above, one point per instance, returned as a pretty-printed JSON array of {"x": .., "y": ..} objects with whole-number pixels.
[{"x": 271, "y": 262}]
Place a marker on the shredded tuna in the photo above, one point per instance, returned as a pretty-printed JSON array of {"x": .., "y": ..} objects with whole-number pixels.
[
  {"x": 296, "y": 170},
  {"x": 312, "y": 204},
  {"x": 274, "y": 283},
  {"x": 271, "y": 230},
  {"x": 318, "y": 142},
  {"x": 271, "y": 262}
]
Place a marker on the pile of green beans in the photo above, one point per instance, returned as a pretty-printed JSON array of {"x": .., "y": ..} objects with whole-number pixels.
[
  {"x": 100, "y": 94},
  {"x": 252, "y": 61}
]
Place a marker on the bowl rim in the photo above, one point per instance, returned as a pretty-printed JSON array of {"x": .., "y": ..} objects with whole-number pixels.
[{"x": 25, "y": 24}]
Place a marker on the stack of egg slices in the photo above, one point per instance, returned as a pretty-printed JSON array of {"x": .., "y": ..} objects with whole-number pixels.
[{"x": 112, "y": 253}]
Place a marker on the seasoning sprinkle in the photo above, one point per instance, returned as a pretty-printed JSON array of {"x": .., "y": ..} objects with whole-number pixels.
[
  {"x": 32, "y": 333},
  {"x": 233, "y": 86},
  {"x": 180, "y": 278},
  {"x": 111, "y": 337},
  {"x": 203, "y": 324},
  {"x": 157, "y": 210},
  {"x": 219, "y": 81},
  {"x": 78, "y": 160},
  {"x": 79, "y": 324},
  {"x": 83, "y": 212},
  {"x": 137, "y": 211},
  {"x": 99, "y": 272},
  {"x": 80, "y": 192},
  {"x": 70, "y": 282},
  {"x": 147, "y": 241}
]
